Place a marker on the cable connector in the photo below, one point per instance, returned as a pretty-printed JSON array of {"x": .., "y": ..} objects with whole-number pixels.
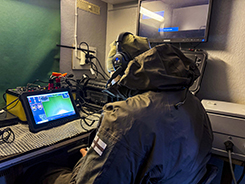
[
  {"x": 2, "y": 111},
  {"x": 229, "y": 146}
]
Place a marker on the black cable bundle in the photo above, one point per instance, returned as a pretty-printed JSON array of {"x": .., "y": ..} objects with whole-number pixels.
[{"x": 7, "y": 135}]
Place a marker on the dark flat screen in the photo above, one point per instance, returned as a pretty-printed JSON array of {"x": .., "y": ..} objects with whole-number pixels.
[{"x": 174, "y": 20}]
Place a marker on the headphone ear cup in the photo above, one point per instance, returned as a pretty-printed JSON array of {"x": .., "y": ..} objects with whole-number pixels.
[
  {"x": 125, "y": 61},
  {"x": 120, "y": 59},
  {"x": 125, "y": 57}
]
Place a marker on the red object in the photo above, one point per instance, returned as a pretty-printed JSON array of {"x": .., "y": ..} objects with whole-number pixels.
[
  {"x": 51, "y": 84},
  {"x": 57, "y": 80}
]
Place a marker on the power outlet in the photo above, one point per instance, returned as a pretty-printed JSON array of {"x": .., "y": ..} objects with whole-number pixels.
[{"x": 79, "y": 64}]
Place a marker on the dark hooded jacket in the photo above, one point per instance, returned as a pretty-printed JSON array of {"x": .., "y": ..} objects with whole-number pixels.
[{"x": 159, "y": 134}]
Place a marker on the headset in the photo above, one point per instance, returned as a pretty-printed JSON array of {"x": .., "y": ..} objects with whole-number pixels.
[{"x": 120, "y": 59}]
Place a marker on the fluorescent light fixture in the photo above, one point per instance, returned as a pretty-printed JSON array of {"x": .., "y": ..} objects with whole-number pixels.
[{"x": 151, "y": 14}]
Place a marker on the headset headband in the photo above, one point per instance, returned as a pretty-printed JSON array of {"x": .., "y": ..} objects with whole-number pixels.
[{"x": 120, "y": 39}]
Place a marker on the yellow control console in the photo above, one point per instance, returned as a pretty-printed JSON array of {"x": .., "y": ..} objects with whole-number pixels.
[{"x": 15, "y": 107}]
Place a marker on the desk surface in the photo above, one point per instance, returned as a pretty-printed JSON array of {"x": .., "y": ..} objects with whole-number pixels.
[{"x": 28, "y": 145}]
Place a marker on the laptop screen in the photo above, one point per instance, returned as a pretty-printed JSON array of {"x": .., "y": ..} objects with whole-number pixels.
[
  {"x": 51, "y": 106},
  {"x": 46, "y": 109}
]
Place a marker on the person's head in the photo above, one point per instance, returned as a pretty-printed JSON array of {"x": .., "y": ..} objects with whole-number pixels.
[
  {"x": 125, "y": 48},
  {"x": 163, "y": 67}
]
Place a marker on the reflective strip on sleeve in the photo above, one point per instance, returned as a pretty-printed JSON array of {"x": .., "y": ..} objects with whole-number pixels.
[{"x": 98, "y": 145}]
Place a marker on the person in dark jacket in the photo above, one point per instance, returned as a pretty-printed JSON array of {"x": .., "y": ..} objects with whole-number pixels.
[{"x": 160, "y": 133}]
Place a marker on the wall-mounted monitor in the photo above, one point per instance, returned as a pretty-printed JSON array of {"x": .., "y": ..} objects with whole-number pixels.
[{"x": 174, "y": 21}]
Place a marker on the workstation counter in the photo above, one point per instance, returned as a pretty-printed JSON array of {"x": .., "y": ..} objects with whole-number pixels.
[{"x": 28, "y": 145}]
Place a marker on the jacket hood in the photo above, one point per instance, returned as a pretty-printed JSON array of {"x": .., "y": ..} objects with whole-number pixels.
[
  {"x": 131, "y": 45},
  {"x": 164, "y": 67}
]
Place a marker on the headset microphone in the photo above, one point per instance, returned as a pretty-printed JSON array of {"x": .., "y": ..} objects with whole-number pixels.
[
  {"x": 114, "y": 75},
  {"x": 120, "y": 59}
]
